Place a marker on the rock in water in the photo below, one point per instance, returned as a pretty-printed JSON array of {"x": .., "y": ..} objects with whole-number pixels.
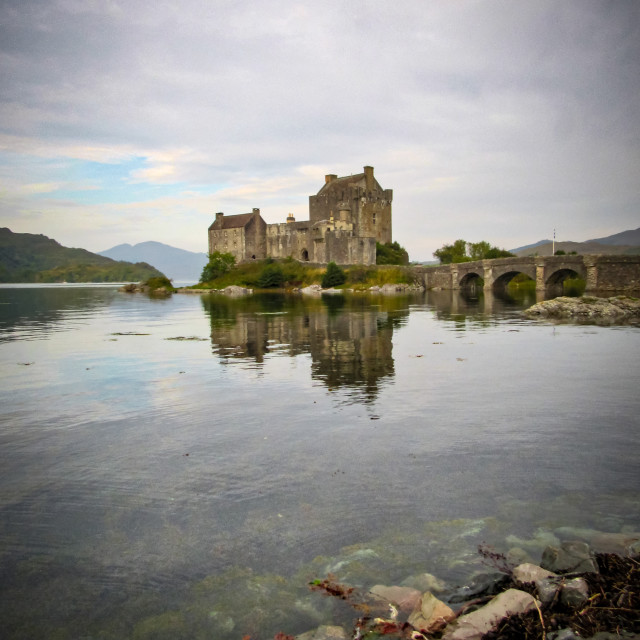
[{"x": 587, "y": 309}]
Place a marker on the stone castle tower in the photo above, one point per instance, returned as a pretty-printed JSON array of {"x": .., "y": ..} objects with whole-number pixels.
[{"x": 346, "y": 219}]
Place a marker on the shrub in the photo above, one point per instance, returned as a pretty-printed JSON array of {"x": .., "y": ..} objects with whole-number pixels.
[
  {"x": 159, "y": 283},
  {"x": 271, "y": 276},
  {"x": 218, "y": 265},
  {"x": 333, "y": 276}
]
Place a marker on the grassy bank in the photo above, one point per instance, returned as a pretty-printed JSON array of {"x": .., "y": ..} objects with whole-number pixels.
[{"x": 299, "y": 274}]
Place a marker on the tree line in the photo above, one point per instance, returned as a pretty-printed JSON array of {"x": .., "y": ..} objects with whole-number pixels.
[{"x": 463, "y": 251}]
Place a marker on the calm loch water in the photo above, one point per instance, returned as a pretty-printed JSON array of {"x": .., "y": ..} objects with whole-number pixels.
[{"x": 182, "y": 467}]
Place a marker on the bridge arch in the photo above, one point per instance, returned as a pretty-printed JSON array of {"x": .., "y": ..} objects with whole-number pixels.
[
  {"x": 554, "y": 282},
  {"x": 471, "y": 282},
  {"x": 502, "y": 281}
]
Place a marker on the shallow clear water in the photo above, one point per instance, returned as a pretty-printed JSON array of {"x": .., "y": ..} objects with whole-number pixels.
[{"x": 181, "y": 467}]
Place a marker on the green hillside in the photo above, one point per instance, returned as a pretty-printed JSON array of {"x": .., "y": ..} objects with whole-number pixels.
[{"x": 27, "y": 257}]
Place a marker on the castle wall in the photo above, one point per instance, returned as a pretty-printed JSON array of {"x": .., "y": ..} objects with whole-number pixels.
[
  {"x": 255, "y": 247},
  {"x": 289, "y": 239},
  {"x": 231, "y": 241},
  {"x": 374, "y": 216},
  {"x": 343, "y": 248}
]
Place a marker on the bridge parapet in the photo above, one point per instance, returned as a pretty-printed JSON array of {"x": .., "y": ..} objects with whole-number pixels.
[{"x": 600, "y": 272}]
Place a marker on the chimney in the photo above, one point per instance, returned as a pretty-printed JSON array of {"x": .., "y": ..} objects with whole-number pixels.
[
  {"x": 290, "y": 218},
  {"x": 368, "y": 178},
  {"x": 219, "y": 215},
  {"x": 328, "y": 178}
]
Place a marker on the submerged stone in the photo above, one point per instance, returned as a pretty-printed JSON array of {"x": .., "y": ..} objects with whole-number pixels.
[
  {"x": 405, "y": 598},
  {"x": 571, "y": 557},
  {"x": 425, "y": 582},
  {"x": 325, "y": 632}
]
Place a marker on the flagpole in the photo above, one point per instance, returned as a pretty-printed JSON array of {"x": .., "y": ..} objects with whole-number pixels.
[{"x": 553, "y": 246}]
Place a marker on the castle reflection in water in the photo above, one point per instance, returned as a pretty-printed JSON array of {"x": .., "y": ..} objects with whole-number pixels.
[{"x": 349, "y": 338}]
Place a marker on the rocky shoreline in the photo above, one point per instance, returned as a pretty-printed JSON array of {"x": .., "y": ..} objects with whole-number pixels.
[
  {"x": 314, "y": 289},
  {"x": 578, "y": 590},
  {"x": 587, "y": 309}
]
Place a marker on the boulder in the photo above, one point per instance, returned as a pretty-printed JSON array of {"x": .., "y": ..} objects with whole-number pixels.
[
  {"x": 527, "y": 572},
  {"x": 574, "y": 592},
  {"x": 312, "y": 289},
  {"x": 570, "y": 557},
  {"x": 547, "y": 588},
  {"x": 235, "y": 290},
  {"x": 405, "y": 598},
  {"x": 476, "y": 624},
  {"x": 430, "y": 614}
]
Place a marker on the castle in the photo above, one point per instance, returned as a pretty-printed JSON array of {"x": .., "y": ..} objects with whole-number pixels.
[{"x": 346, "y": 219}]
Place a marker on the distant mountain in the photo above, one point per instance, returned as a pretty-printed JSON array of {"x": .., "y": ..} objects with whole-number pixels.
[
  {"x": 630, "y": 238},
  {"x": 178, "y": 264},
  {"x": 529, "y": 246},
  {"x": 28, "y": 257},
  {"x": 582, "y": 248},
  {"x": 624, "y": 243}
]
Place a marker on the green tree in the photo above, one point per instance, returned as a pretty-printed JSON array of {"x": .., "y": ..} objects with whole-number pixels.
[
  {"x": 494, "y": 252},
  {"x": 271, "y": 276},
  {"x": 478, "y": 250},
  {"x": 456, "y": 252},
  {"x": 462, "y": 251},
  {"x": 218, "y": 265},
  {"x": 391, "y": 253},
  {"x": 333, "y": 276}
]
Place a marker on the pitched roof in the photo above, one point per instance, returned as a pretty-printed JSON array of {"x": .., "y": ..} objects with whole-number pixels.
[
  {"x": 341, "y": 183},
  {"x": 232, "y": 222}
]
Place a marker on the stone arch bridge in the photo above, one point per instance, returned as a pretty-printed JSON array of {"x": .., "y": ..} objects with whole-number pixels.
[{"x": 601, "y": 273}]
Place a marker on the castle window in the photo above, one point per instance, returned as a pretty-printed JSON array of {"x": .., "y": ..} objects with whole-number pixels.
[{"x": 374, "y": 218}]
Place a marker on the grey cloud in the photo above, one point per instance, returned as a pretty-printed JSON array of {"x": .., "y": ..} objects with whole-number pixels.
[{"x": 511, "y": 109}]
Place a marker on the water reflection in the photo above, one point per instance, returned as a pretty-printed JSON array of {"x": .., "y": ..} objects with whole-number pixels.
[
  {"x": 479, "y": 308},
  {"x": 348, "y": 338},
  {"x": 28, "y": 312}
]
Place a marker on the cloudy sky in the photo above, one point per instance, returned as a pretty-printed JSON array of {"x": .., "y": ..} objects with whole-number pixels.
[{"x": 499, "y": 120}]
